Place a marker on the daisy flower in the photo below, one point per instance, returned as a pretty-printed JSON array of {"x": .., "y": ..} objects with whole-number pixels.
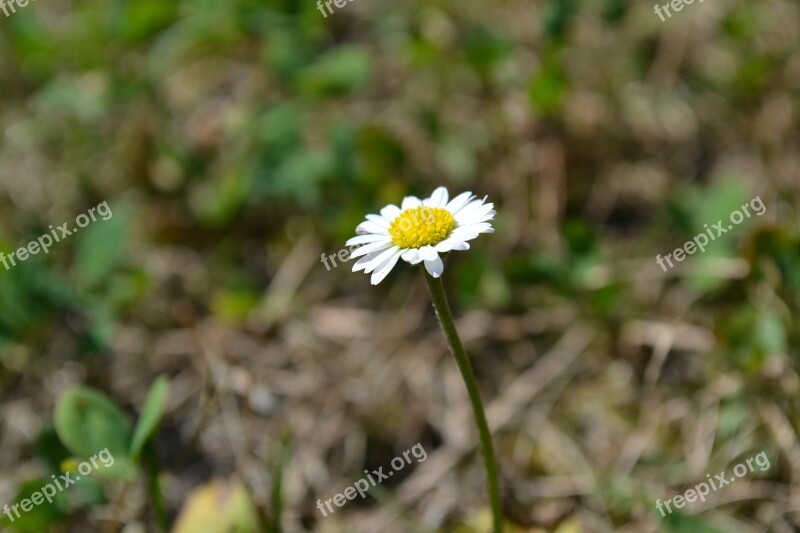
[{"x": 418, "y": 231}]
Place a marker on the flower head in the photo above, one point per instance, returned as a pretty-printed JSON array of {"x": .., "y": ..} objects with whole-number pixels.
[{"x": 418, "y": 231}]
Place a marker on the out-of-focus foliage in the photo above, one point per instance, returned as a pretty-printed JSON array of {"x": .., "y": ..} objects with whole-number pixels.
[{"x": 237, "y": 140}]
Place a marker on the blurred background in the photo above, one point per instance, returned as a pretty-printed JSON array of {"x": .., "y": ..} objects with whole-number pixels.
[{"x": 237, "y": 141}]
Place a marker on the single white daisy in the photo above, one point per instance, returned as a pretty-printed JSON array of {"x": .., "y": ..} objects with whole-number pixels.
[{"x": 418, "y": 231}]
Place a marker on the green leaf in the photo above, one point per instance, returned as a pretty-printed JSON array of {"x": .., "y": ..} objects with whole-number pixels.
[
  {"x": 712, "y": 204},
  {"x": 89, "y": 492},
  {"x": 100, "y": 248},
  {"x": 234, "y": 305},
  {"x": 733, "y": 416},
  {"x": 50, "y": 450},
  {"x": 287, "y": 52},
  {"x": 547, "y": 88},
  {"x": 280, "y": 128},
  {"x": 770, "y": 334},
  {"x": 560, "y": 13},
  {"x": 300, "y": 176},
  {"x": 681, "y": 523},
  {"x": 218, "y": 201},
  {"x": 85, "y": 98},
  {"x": 485, "y": 49},
  {"x": 151, "y": 415},
  {"x": 341, "y": 71},
  {"x": 136, "y": 21},
  {"x": 752, "y": 335},
  {"x": 40, "y": 517},
  {"x": 87, "y": 422}
]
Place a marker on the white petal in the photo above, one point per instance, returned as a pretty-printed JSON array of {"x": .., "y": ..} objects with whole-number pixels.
[
  {"x": 412, "y": 256},
  {"x": 427, "y": 253},
  {"x": 469, "y": 209},
  {"x": 472, "y": 214},
  {"x": 370, "y": 227},
  {"x": 482, "y": 227},
  {"x": 372, "y": 247},
  {"x": 489, "y": 216},
  {"x": 364, "y": 239},
  {"x": 410, "y": 202},
  {"x": 463, "y": 234},
  {"x": 451, "y": 244},
  {"x": 435, "y": 267},
  {"x": 469, "y": 206},
  {"x": 459, "y": 201},
  {"x": 379, "y": 220},
  {"x": 390, "y": 212},
  {"x": 379, "y": 260},
  {"x": 362, "y": 263},
  {"x": 385, "y": 268},
  {"x": 437, "y": 199}
]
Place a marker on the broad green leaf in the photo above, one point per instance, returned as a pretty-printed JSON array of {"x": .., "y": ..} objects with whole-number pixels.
[{"x": 88, "y": 423}]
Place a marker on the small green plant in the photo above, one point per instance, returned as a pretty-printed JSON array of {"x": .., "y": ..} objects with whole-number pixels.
[{"x": 87, "y": 423}]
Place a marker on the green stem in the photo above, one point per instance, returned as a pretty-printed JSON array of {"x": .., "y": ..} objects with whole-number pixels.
[
  {"x": 154, "y": 485},
  {"x": 487, "y": 448}
]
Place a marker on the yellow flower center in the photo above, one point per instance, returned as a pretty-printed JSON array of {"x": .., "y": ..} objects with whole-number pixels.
[{"x": 421, "y": 226}]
